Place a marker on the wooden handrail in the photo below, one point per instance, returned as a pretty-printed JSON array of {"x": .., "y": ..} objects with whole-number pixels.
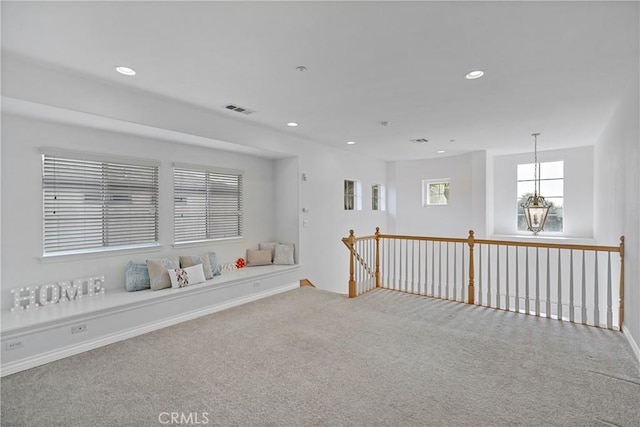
[
  {"x": 549, "y": 245},
  {"x": 357, "y": 256},
  {"x": 505, "y": 243},
  {"x": 373, "y": 253},
  {"x": 358, "y": 239},
  {"x": 354, "y": 255},
  {"x": 423, "y": 238}
]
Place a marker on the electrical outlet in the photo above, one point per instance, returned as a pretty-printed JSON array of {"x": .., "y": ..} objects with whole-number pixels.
[
  {"x": 13, "y": 345},
  {"x": 79, "y": 328}
]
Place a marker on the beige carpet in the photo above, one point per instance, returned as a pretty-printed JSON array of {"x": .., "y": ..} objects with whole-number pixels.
[{"x": 308, "y": 357}]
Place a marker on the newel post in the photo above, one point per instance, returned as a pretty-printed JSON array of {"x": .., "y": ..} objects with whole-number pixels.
[
  {"x": 471, "y": 291},
  {"x": 621, "y": 303},
  {"x": 352, "y": 280},
  {"x": 377, "y": 257}
]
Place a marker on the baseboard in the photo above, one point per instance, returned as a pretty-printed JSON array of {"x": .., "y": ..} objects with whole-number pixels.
[
  {"x": 32, "y": 362},
  {"x": 632, "y": 343}
]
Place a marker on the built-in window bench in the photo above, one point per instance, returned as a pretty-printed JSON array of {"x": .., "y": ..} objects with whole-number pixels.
[{"x": 37, "y": 336}]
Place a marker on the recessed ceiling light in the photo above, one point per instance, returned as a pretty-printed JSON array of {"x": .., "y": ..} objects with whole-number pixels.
[
  {"x": 440, "y": 151},
  {"x": 126, "y": 71},
  {"x": 292, "y": 124},
  {"x": 474, "y": 74},
  {"x": 350, "y": 142}
]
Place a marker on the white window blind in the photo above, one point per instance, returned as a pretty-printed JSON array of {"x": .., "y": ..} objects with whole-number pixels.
[
  {"x": 207, "y": 204},
  {"x": 93, "y": 205}
]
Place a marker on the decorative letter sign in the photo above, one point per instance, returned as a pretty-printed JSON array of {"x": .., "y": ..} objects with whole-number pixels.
[{"x": 54, "y": 293}]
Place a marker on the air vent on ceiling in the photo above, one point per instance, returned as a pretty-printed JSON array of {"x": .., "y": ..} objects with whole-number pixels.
[
  {"x": 419, "y": 140},
  {"x": 239, "y": 109}
]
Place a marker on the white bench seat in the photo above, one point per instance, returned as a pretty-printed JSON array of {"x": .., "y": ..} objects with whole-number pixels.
[{"x": 45, "y": 332}]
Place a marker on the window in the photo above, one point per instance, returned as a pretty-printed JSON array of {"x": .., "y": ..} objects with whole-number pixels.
[
  {"x": 352, "y": 191},
  {"x": 377, "y": 197},
  {"x": 435, "y": 192},
  {"x": 207, "y": 204},
  {"x": 93, "y": 205},
  {"x": 551, "y": 188}
]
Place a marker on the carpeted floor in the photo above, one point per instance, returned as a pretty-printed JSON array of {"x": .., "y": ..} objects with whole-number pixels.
[{"x": 308, "y": 357}]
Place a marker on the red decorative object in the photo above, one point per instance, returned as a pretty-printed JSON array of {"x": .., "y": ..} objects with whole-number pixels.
[{"x": 240, "y": 263}]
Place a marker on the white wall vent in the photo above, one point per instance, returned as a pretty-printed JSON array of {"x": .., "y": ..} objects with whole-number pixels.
[{"x": 239, "y": 109}]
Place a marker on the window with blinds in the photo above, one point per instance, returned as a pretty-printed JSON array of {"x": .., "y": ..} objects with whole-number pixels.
[
  {"x": 207, "y": 204},
  {"x": 95, "y": 205}
]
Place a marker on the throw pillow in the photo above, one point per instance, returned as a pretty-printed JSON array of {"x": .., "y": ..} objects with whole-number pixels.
[
  {"x": 136, "y": 277},
  {"x": 215, "y": 267},
  {"x": 284, "y": 254},
  {"x": 191, "y": 260},
  {"x": 181, "y": 277},
  {"x": 158, "y": 275},
  {"x": 270, "y": 246},
  {"x": 255, "y": 258}
]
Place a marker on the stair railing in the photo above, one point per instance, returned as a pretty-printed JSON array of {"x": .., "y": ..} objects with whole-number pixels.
[{"x": 562, "y": 281}]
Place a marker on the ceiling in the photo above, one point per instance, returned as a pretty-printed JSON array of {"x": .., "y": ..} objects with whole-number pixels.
[{"x": 558, "y": 68}]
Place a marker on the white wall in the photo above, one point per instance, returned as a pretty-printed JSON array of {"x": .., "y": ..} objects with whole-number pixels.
[
  {"x": 464, "y": 211},
  {"x": 323, "y": 258},
  {"x": 22, "y": 200},
  {"x": 617, "y": 195},
  {"x": 578, "y": 190}
]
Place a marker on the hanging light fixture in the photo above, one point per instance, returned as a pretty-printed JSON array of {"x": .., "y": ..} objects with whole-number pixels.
[{"x": 536, "y": 208}]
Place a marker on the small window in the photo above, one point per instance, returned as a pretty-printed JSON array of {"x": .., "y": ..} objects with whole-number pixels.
[
  {"x": 352, "y": 195},
  {"x": 207, "y": 204},
  {"x": 435, "y": 192},
  {"x": 93, "y": 205},
  {"x": 377, "y": 197},
  {"x": 551, "y": 188}
]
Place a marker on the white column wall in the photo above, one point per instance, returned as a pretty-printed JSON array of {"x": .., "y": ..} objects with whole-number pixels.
[{"x": 617, "y": 195}]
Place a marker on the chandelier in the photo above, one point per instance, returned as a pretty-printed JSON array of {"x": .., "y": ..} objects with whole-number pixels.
[{"x": 536, "y": 208}]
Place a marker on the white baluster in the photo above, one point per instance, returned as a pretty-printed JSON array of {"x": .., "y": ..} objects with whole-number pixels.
[
  {"x": 559, "y": 309},
  {"x": 571, "y": 296},
  {"x": 584, "y": 290},
  {"x": 596, "y": 299},
  {"x": 548, "y": 293},
  {"x": 609, "y": 297}
]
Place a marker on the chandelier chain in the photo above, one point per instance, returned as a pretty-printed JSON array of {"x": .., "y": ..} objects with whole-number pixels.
[{"x": 535, "y": 164}]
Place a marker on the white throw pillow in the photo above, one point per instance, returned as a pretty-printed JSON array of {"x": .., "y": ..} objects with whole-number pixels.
[
  {"x": 284, "y": 254},
  {"x": 181, "y": 277}
]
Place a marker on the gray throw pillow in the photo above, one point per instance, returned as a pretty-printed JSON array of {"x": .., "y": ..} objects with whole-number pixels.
[
  {"x": 191, "y": 260},
  {"x": 136, "y": 277},
  {"x": 215, "y": 266},
  {"x": 158, "y": 274}
]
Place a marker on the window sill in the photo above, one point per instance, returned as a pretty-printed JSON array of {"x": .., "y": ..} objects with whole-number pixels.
[
  {"x": 74, "y": 256},
  {"x": 226, "y": 240}
]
